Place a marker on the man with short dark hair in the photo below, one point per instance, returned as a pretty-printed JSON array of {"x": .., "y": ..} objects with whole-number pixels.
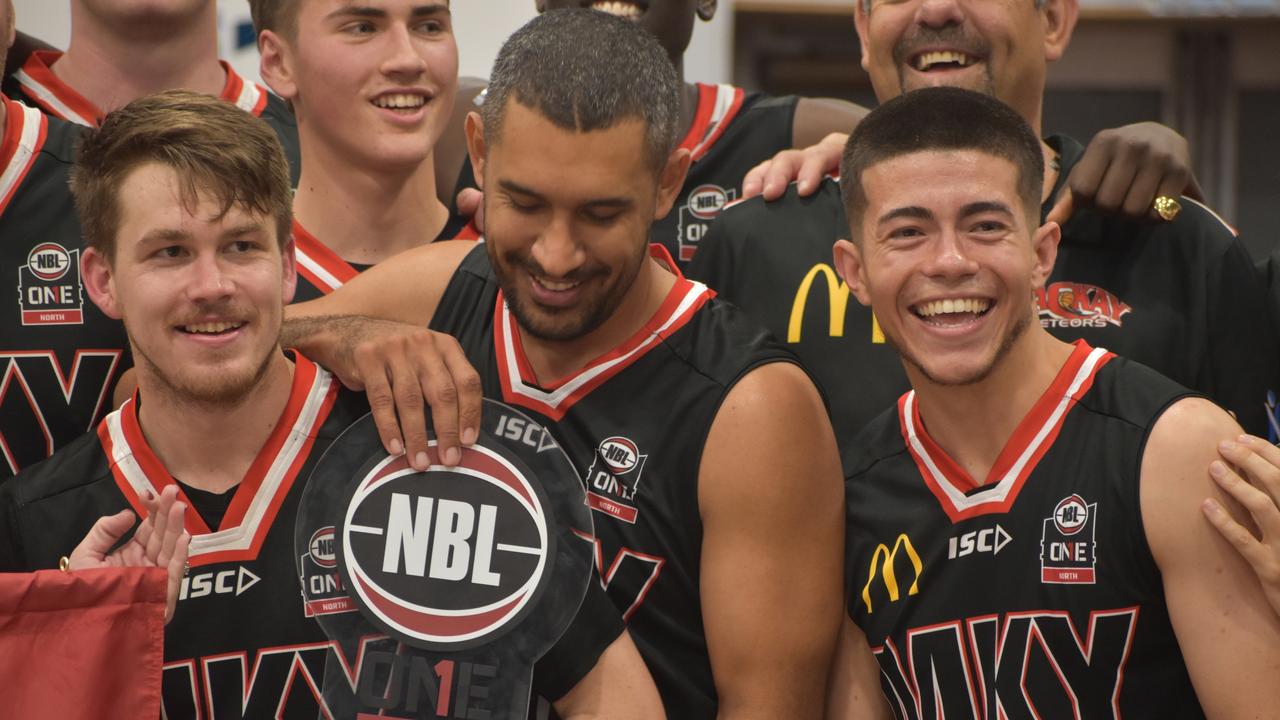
[
  {"x": 707, "y": 528},
  {"x": 1025, "y": 533}
]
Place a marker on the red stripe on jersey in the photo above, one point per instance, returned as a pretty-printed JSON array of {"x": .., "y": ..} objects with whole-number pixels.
[
  {"x": 519, "y": 383},
  {"x": 246, "y": 95},
  {"x": 24, "y": 135},
  {"x": 318, "y": 264},
  {"x": 136, "y": 468},
  {"x": 44, "y": 88},
  {"x": 718, "y": 105},
  {"x": 1033, "y": 437}
]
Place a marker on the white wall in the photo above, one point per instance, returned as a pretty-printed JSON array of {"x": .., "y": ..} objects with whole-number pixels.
[{"x": 481, "y": 26}]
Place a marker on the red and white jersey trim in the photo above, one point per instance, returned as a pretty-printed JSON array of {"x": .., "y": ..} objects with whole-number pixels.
[
  {"x": 24, "y": 134},
  {"x": 318, "y": 264},
  {"x": 137, "y": 470},
  {"x": 718, "y": 105},
  {"x": 1029, "y": 442},
  {"x": 516, "y": 374},
  {"x": 248, "y": 96}
]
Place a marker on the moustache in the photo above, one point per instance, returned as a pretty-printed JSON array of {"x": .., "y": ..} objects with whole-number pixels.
[{"x": 951, "y": 36}]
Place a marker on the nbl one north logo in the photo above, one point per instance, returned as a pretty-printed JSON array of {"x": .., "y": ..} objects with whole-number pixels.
[
  {"x": 614, "y": 478},
  {"x": 1071, "y": 304},
  {"x": 446, "y": 559},
  {"x": 49, "y": 289},
  {"x": 1067, "y": 552},
  {"x": 703, "y": 205}
]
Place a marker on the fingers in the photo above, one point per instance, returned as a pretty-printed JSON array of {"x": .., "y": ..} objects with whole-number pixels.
[
  {"x": 159, "y": 518},
  {"x": 753, "y": 183},
  {"x": 436, "y": 383},
  {"x": 468, "y": 201},
  {"x": 1253, "y": 551},
  {"x": 470, "y": 391},
  {"x": 382, "y": 404},
  {"x": 177, "y": 569},
  {"x": 105, "y": 533},
  {"x": 813, "y": 169},
  {"x": 1062, "y": 209},
  {"x": 1259, "y": 461},
  {"x": 1116, "y": 178},
  {"x": 1143, "y": 190},
  {"x": 784, "y": 168}
]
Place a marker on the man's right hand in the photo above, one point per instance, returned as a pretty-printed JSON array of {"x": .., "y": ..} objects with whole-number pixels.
[{"x": 399, "y": 366}]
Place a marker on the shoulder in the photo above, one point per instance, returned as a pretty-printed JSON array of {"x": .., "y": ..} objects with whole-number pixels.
[
  {"x": 61, "y": 140},
  {"x": 756, "y": 219},
  {"x": 1131, "y": 392},
  {"x": 880, "y": 440},
  {"x": 724, "y": 345},
  {"x": 80, "y": 464}
]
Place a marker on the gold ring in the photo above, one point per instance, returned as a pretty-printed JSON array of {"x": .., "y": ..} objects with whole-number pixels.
[
  {"x": 64, "y": 564},
  {"x": 1166, "y": 207}
]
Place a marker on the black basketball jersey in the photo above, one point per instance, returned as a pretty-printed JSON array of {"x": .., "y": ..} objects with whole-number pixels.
[
  {"x": 60, "y": 356},
  {"x": 732, "y": 132},
  {"x": 242, "y": 641},
  {"x": 1034, "y": 593},
  {"x": 1180, "y": 297},
  {"x": 36, "y": 84},
  {"x": 321, "y": 270},
  {"x": 634, "y": 422}
]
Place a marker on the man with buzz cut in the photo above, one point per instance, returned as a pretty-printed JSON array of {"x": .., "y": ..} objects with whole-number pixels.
[
  {"x": 1025, "y": 530},
  {"x": 709, "y": 463},
  {"x": 185, "y": 201}
]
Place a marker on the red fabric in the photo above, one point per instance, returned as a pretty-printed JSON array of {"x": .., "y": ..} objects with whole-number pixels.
[{"x": 86, "y": 644}]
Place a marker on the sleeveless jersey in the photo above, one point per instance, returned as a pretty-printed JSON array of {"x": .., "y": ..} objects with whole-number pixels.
[
  {"x": 60, "y": 356},
  {"x": 614, "y": 419},
  {"x": 1033, "y": 594},
  {"x": 321, "y": 270},
  {"x": 732, "y": 132},
  {"x": 1182, "y": 298},
  {"x": 36, "y": 84},
  {"x": 241, "y": 643}
]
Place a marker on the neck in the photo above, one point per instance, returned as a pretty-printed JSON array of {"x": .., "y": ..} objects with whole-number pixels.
[
  {"x": 366, "y": 215},
  {"x": 179, "y": 430},
  {"x": 112, "y": 64},
  {"x": 552, "y": 360},
  {"x": 973, "y": 423}
]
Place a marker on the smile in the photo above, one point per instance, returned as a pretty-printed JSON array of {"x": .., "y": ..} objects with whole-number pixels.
[
  {"x": 554, "y": 286},
  {"x": 951, "y": 311},
  {"x": 400, "y": 101},
  {"x": 211, "y": 328},
  {"x": 941, "y": 60},
  {"x": 628, "y": 10}
]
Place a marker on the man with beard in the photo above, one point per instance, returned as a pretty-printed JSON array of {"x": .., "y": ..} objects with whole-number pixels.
[
  {"x": 185, "y": 202},
  {"x": 1178, "y": 294},
  {"x": 1025, "y": 529},
  {"x": 122, "y": 51},
  {"x": 707, "y": 456}
]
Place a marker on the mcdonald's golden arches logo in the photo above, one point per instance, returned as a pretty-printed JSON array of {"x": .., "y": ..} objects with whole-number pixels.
[
  {"x": 837, "y": 304},
  {"x": 887, "y": 572}
]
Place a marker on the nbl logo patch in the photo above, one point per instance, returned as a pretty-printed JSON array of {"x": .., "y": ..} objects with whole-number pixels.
[
  {"x": 1067, "y": 546},
  {"x": 447, "y": 558},
  {"x": 702, "y": 206},
  {"x": 1070, "y": 304},
  {"x": 614, "y": 478},
  {"x": 322, "y": 589},
  {"x": 49, "y": 288}
]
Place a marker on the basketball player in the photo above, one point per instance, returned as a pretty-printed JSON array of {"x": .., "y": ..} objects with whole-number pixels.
[
  {"x": 122, "y": 51},
  {"x": 60, "y": 357},
  {"x": 705, "y": 450},
  {"x": 1180, "y": 295},
  {"x": 1025, "y": 533},
  {"x": 185, "y": 202},
  {"x": 372, "y": 87}
]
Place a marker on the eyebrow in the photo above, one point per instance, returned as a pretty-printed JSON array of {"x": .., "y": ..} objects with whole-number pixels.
[
  {"x": 605, "y": 202},
  {"x": 365, "y": 11},
  {"x": 911, "y": 211},
  {"x": 984, "y": 206}
]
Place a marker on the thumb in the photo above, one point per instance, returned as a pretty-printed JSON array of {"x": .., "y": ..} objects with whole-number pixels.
[
  {"x": 1063, "y": 208},
  {"x": 104, "y": 535}
]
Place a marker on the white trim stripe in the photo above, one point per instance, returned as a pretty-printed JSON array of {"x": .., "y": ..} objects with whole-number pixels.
[
  {"x": 315, "y": 268},
  {"x": 998, "y": 492},
  {"x": 725, "y": 96},
  {"x": 24, "y": 154},
  {"x": 249, "y": 96},
  {"x": 557, "y": 396},
  {"x": 51, "y": 99}
]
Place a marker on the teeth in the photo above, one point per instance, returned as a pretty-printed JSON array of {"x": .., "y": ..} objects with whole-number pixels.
[
  {"x": 976, "y": 306},
  {"x": 400, "y": 101},
  {"x": 557, "y": 286},
  {"x": 211, "y": 328},
  {"x": 626, "y": 10},
  {"x": 924, "y": 61}
]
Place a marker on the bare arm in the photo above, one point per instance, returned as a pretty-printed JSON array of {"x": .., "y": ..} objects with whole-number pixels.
[
  {"x": 1229, "y": 636},
  {"x": 771, "y": 497},
  {"x": 854, "y": 691},
  {"x": 1253, "y": 480},
  {"x": 816, "y": 118},
  {"x": 619, "y": 686}
]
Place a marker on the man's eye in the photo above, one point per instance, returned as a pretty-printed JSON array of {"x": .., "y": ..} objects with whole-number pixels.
[
  {"x": 173, "y": 251},
  {"x": 988, "y": 226},
  {"x": 359, "y": 28},
  {"x": 431, "y": 27},
  {"x": 241, "y": 246}
]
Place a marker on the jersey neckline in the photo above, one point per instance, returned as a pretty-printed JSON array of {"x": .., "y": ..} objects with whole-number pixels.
[
  {"x": 960, "y": 496},
  {"x": 24, "y": 134},
  {"x": 137, "y": 470},
  {"x": 718, "y": 105},
  {"x": 42, "y": 86},
  {"x": 519, "y": 386}
]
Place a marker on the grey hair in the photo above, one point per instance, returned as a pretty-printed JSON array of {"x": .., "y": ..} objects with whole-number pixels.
[{"x": 587, "y": 70}]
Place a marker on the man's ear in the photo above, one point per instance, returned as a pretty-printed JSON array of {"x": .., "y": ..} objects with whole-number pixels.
[
  {"x": 1059, "y": 19},
  {"x": 847, "y": 257},
  {"x": 671, "y": 180},
  {"x": 476, "y": 146},
  {"x": 1044, "y": 243},
  {"x": 99, "y": 282},
  {"x": 706, "y": 9},
  {"x": 289, "y": 263},
  {"x": 860, "y": 20},
  {"x": 276, "y": 65}
]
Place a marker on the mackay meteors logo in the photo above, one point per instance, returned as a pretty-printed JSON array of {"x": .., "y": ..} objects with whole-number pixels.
[
  {"x": 703, "y": 205},
  {"x": 49, "y": 289},
  {"x": 1071, "y": 304},
  {"x": 1067, "y": 552},
  {"x": 446, "y": 560},
  {"x": 614, "y": 478}
]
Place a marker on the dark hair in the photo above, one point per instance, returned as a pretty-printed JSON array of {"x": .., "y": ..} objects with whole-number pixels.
[
  {"x": 279, "y": 16},
  {"x": 941, "y": 118},
  {"x": 587, "y": 70},
  {"x": 212, "y": 146}
]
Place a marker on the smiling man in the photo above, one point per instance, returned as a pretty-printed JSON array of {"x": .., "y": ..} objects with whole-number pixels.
[
  {"x": 1025, "y": 533},
  {"x": 708, "y": 460}
]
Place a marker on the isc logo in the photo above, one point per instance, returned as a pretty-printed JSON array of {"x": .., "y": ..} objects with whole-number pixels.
[{"x": 448, "y": 556}]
